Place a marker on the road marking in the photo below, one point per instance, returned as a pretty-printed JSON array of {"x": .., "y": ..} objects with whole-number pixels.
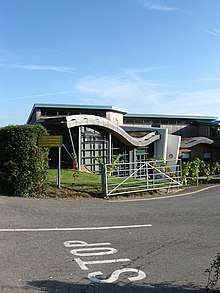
[
  {"x": 74, "y": 229},
  {"x": 78, "y": 243},
  {"x": 114, "y": 276},
  {"x": 102, "y": 251},
  {"x": 82, "y": 264}
]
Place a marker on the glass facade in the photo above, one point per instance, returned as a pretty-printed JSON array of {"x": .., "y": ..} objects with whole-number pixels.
[{"x": 96, "y": 144}]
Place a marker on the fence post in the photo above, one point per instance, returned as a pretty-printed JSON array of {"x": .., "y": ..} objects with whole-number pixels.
[
  {"x": 59, "y": 167},
  {"x": 104, "y": 181},
  {"x": 147, "y": 175}
]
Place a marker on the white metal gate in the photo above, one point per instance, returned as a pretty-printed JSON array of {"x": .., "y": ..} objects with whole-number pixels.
[{"x": 133, "y": 177}]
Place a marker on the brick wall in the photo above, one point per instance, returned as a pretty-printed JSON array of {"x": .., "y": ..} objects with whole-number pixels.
[{"x": 198, "y": 152}]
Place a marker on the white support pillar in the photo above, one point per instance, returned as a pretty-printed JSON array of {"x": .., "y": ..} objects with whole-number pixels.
[
  {"x": 71, "y": 140},
  {"x": 79, "y": 147},
  {"x": 110, "y": 147}
]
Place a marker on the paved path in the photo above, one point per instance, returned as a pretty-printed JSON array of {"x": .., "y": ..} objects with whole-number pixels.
[{"x": 85, "y": 246}]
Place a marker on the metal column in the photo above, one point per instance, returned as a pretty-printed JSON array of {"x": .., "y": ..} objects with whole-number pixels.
[
  {"x": 79, "y": 147},
  {"x": 110, "y": 148}
]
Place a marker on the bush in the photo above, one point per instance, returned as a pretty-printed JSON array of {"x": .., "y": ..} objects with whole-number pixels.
[
  {"x": 198, "y": 168},
  {"x": 23, "y": 165},
  {"x": 214, "y": 274}
]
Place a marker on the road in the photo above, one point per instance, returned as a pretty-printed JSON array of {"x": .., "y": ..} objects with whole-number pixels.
[{"x": 94, "y": 246}]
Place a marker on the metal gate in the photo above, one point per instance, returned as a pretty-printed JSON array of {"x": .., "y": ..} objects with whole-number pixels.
[{"x": 133, "y": 177}]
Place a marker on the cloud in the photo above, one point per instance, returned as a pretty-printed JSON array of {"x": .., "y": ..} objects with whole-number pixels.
[
  {"x": 200, "y": 102},
  {"x": 35, "y": 67},
  {"x": 37, "y": 96},
  {"x": 156, "y": 5},
  {"x": 124, "y": 90},
  {"x": 215, "y": 32},
  {"x": 138, "y": 95},
  {"x": 210, "y": 79},
  {"x": 132, "y": 90}
]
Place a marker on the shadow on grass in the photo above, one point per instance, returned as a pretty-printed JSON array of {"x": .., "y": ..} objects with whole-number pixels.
[{"x": 65, "y": 287}]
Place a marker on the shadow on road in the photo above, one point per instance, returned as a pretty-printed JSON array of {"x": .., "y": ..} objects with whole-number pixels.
[{"x": 64, "y": 287}]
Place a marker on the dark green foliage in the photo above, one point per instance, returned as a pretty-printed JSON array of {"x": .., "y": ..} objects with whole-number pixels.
[
  {"x": 214, "y": 274},
  {"x": 23, "y": 165},
  {"x": 114, "y": 164},
  {"x": 196, "y": 169}
]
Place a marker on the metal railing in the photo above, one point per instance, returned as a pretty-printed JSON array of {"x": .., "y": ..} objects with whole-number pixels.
[{"x": 133, "y": 177}]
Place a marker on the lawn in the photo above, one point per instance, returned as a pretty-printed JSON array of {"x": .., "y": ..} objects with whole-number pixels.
[
  {"x": 74, "y": 184},
  {"x": 82, "y": 184}
]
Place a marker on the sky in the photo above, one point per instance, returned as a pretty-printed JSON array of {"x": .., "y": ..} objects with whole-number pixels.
[{"x": 144, "y": 56}]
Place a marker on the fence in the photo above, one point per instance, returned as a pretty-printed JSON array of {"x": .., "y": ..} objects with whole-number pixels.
[{"x": 133, "y": 177}]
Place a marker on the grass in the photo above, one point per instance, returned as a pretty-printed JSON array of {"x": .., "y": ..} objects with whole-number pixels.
[
  {"x": 78, "y": 184},
  {"x": 88, "y": 185},
  {"x": 74, "y": 184}
]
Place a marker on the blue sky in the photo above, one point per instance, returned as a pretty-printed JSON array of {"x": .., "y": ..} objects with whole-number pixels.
[{"x": 145, "y": 56}]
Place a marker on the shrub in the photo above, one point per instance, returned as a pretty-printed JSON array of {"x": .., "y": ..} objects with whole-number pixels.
[
  {"x": 198, "y": 168},
  {"x": 23, "y": 164},
  {"x": 114, "y": 164},
  {"x": 214, "y": 274}
]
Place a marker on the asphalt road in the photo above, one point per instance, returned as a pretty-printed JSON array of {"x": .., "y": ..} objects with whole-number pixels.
[{"x": 162, "y": 245}]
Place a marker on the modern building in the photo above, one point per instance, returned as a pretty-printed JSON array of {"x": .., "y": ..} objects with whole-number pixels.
[
  {"x": 91, "y": 132},
  {"x": 200, "y": 135}
]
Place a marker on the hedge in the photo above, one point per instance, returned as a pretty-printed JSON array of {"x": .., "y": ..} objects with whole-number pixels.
[{"x": 23, "y": 165}]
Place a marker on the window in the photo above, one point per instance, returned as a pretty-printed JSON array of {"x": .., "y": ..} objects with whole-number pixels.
[
  {"x": 207, "y": 155},
  {"x": 186, "y": 156}
]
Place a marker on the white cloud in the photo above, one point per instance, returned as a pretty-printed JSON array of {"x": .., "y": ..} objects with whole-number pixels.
[
  {"x": 131, "y": 89},
  {"x": 156, "y": 5},
  {"x": 36, "y": 96},
  {"x": 201, "y": 102},
  {"x": 137, "y": 95},
  {"x": 118, "y": 90},
  {"x": 215, "y": 32},
  {"x": 210, "y": 79},
  {"x": 36, "y": 67}
]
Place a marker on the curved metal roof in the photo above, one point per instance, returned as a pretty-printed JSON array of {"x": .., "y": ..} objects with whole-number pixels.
[{"x": 121, "y": 134}]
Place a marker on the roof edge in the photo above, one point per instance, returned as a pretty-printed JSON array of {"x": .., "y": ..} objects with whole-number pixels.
[
  {"x": 212, "y": 118},
  {"x": 76, "y": 106}
]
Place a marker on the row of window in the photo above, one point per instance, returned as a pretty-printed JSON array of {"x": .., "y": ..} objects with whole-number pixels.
[
  {"x": 155, "y": 122},
  {"x": 45, "y": 112},
  {"x": 207, "y": 155}
]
